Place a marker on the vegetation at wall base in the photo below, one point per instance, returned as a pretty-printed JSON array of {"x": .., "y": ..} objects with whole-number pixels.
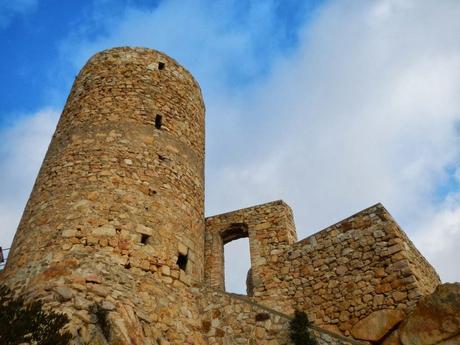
[
  {"x": 299, "y": 330},
  {"x": 102, "y": 320},
  {"x": 22, "y": 322}
]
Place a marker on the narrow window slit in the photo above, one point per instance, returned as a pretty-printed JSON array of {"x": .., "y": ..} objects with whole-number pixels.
[
  {"x": 144, "y": 238},
  {"x": 158, "y": 121},
  {"x": 262, "y": 317},
  {"x": 182, "y": 261},
  {"x": 161, "y": 66}
]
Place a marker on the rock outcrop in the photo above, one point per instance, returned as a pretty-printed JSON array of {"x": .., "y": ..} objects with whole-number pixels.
[
  {"x": 434, "y": 321},
  {"x": 436, "y": 318}
]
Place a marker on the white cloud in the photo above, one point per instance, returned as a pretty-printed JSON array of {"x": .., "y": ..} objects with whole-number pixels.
[
  {"x": 438, "y": 239},
  {"x": 24, "y": 146},
  {"x": 218, "y": 41},
  {"x": 366, "y": 111}
]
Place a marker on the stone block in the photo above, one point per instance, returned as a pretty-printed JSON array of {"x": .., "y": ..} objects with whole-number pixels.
[
  {"x": 106, "y": 230},
  {"x": 376, "y": 325}
]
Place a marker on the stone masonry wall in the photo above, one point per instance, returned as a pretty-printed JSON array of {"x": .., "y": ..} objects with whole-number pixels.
[
  {"x": 348, "y": 270},
  {"x": 269, "y": 227},
  {"x": 120, "y": 196},
  {"x": 338, "y": 275},
  {"x": 236, "y": 320}
]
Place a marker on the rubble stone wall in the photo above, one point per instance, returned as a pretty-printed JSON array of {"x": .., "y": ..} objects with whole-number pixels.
[
  {"x": 346, "y": 271},
  {"x": 235, "y": 319},
  {"x": 121, "y": 190},
  {"x": 269, "y": 227}
]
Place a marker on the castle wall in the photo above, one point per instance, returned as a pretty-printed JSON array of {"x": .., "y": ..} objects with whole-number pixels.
[
  {"x": 269, "y": 227},
  {"x": 236, "y": 320},
  {"x": 338, "y": 275},
  {"x": 348, "y": 270}
]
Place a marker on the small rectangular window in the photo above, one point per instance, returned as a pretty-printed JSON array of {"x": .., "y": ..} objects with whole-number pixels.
[
  {"x": 182, "y": 261},
  {"x": 161, "y": 65},
  {"x": 158, "y": 121},
  {"x": 144, "y": 238}
]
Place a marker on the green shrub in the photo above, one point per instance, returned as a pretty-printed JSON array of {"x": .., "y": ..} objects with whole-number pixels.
[
  {"x": 22, "y": 322},
  {"x": 102, "y": 319},
  {"x": 299, "y": 329}
]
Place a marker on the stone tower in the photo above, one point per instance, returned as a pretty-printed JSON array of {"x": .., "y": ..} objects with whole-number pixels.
[{"x": 121, "y": 189}]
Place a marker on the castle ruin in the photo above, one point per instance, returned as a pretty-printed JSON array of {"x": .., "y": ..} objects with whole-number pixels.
[{"x": 116, "y": 219}]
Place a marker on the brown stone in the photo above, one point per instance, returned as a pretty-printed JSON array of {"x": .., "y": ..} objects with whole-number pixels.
[
  {"x": 206, "y": 326},
  {"x": 376, "y": 325},
  {"x": 64, "y": 292},
  {"x": 380, "y": 272},
  {"x": 392, "y": 339},
  {"x": 399, "y": 296},
  {"x": 98, "y": 290},
  {"x": 436, "y": 317},
  {"x": 341, "y": 270}
]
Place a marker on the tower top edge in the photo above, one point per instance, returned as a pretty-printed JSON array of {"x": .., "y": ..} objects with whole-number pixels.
[{"x": 141, "y": 54}]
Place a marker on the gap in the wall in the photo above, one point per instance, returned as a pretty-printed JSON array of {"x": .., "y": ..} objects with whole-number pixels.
[{"x": 237, "y": 263}]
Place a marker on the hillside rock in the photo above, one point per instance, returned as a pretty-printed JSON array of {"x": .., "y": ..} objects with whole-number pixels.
[{"x": 436, "y": 318}]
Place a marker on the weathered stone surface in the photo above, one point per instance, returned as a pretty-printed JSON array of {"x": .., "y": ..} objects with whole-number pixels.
[
  {"x": 104, "y": 231},
  {"x": 376, "y": 325},
  {"x": 436, "y": 317},
  {"x": 340, "y": 275},
  {"x": 392, "y": 339},
  {"x": 64, "y": 292},
  {"x": 455, "y": 340}
]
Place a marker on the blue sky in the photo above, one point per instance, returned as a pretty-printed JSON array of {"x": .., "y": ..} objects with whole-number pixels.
[{"x": 330, "y": 105}]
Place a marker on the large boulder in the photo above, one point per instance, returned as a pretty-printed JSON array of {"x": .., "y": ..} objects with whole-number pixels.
[
  {"x": 436, "y": 318},
  {"x": 374, "y": 326}
]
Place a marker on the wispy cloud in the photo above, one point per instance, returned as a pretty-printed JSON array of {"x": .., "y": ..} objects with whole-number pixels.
[
  {"x": 24, "y": 146},
  {"x": 10, "y": 9},
  {"x": 366, "y": 111}
]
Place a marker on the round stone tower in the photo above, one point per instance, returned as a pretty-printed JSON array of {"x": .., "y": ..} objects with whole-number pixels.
[{"x": 119, "y": 198}]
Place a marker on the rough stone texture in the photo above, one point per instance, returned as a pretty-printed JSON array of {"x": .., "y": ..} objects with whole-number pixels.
[
  {"x": 235, "y": 319},
  {"x": 374, "y": 326},
  {"x": 269, "y": 227},
  {"x": 339, "y": 275},
  {"x": 116, "y": 221},
  {"x": 117, "y": 198},
  {"x": 435, "y": 319},
  {"x": 392, "y": 339}
]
